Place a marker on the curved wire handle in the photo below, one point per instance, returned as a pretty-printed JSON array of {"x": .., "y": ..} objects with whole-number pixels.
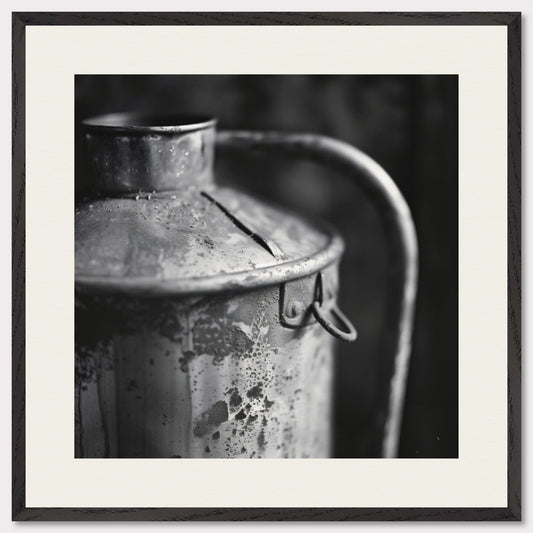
[
  {"x": 348, "y": 333},
  {"x": 399, "y": 227}
]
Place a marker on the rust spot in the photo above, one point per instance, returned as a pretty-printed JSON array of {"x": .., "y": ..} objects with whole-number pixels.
[
  {"x": 235, "y": 399},
  {"x": 268, "y": 403},
  {"x": 261, "y": 439},
  {"x": 255, "y": 392},
  {"x": 188, "y": 356},
  {"x": 220, "y": 339},
  {"x": 211, "y": 418}
]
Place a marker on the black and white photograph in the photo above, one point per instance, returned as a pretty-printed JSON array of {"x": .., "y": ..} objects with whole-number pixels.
[{"x": 266, "y": 266}]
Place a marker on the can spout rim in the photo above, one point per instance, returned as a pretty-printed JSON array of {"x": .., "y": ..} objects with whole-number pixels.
[
  {"x": 150, "y": 122},
  {"x": 143, "y": 151}
]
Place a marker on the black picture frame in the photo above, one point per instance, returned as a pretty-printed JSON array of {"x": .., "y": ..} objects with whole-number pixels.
[{"x": 20, "y": 512}]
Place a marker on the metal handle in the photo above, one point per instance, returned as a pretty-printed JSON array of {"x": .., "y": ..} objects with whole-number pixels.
[
  {"x": 399, "y": 227},
  {"x": 348, "y": 333}
]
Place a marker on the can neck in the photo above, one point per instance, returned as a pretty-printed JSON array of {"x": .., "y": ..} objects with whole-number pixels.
[{"x": 135, "y": 153}]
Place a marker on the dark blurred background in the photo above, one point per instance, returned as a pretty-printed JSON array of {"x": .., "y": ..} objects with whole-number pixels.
[{"x": 408, "y": 124}]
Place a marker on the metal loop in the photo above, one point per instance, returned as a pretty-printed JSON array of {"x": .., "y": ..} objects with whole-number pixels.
[{"x": 348, "y": 336}]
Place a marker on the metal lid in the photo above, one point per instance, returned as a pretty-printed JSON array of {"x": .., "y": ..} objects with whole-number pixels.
[{"x": 186, "y": 235}]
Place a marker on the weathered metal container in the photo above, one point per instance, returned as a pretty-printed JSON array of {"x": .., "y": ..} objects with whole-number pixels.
[{"x": 204, "y": 318}]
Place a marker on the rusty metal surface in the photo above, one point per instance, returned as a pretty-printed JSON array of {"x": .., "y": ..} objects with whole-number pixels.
[
  {"x": 212, "y": 376},
  {"x": 203, "y": 370}
]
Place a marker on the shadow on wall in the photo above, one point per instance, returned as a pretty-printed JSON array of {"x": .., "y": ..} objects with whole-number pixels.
[{"x": 406, "y": 123}]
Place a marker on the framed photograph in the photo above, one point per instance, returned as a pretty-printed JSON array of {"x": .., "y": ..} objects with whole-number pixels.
[{"x": 266, "y": 266}]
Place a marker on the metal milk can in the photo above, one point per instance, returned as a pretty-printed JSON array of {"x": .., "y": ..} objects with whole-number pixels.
[{"x": 205, "y": 319}]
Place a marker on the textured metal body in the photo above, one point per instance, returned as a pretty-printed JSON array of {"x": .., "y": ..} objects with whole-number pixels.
[
  {"x": 195, "y": 335},
  {"x": 207, "y": 376}
]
